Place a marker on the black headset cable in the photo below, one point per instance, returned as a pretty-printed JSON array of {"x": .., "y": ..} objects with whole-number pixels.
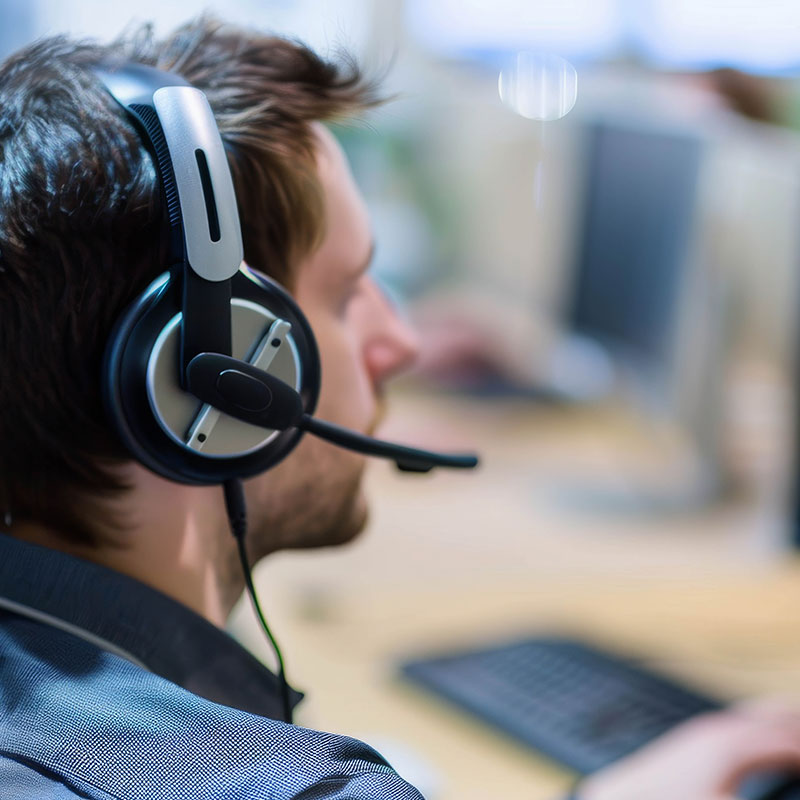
[{"x": 237, "y": 516}]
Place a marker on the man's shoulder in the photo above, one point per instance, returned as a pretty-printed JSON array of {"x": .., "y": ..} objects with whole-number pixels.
[{"x": 108, "y": 728}]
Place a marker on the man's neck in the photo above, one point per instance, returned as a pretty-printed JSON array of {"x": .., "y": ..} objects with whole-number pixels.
[{"x": 175, "y": 539}]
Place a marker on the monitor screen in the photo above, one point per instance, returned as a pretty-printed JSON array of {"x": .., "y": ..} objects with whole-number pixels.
[{"x": 634, "y": 239}]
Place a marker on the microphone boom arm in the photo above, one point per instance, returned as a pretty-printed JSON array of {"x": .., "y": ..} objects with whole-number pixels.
[
  {"x": 408, "y": 459},
  {"x": 253, "y": 395}
]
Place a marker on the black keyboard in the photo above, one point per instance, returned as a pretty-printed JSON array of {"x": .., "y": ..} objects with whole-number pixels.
[{"x": 578, "y": 705}]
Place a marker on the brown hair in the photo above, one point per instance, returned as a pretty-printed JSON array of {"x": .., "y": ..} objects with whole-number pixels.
[{"x": 82, "y": 232}]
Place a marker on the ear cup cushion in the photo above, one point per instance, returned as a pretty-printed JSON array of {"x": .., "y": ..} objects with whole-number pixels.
[{"x": 125, "y": 382}]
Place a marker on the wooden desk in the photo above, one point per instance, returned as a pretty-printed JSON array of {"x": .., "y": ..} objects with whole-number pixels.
[{"x": 454, "y": 559}]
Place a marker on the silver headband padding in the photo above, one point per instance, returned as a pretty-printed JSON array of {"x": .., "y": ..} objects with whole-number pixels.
[{"x": 189, "y": 125}]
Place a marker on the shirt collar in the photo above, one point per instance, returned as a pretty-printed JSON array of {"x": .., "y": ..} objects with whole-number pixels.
[{"x": 126, "y": 617}]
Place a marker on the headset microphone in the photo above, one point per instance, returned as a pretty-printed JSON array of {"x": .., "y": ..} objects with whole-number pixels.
[
  {"x": 408, "y": 459},
  {"x": 252, "y": 395}
]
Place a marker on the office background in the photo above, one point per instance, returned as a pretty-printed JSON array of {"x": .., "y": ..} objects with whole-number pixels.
[{"x": 591, "y": 210}]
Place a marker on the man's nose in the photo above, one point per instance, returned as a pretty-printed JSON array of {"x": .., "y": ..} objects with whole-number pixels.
[{"x": 393, "y": 344}]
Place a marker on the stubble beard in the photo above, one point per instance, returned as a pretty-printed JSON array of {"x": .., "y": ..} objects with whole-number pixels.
[
  {"x": 324, "y": 507},
  {"x": 314, "y": 500}
]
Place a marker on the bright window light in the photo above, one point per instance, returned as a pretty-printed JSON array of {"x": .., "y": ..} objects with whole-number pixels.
[
  {"x": 323, "y": 24},
  {"x": 574, "y": 28},
  {"x": 760, "y": 35}
]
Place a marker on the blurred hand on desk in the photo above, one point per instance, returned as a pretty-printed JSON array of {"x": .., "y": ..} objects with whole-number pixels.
[{"x": 706, "y": 758}]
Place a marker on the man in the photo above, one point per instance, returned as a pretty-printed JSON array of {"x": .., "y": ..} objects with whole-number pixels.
[{"x": 116, "y": 679}]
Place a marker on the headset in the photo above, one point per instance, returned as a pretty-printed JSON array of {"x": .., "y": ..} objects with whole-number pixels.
[{"x": 213, "y": 374}]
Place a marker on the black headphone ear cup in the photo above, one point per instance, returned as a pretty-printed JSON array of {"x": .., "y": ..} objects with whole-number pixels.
[{"x": 153, "y": 415}]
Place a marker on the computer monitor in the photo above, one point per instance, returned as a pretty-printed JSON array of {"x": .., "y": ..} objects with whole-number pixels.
[
  {"x": 642, "y": 302},
  {"x": 635, "y": 237}
]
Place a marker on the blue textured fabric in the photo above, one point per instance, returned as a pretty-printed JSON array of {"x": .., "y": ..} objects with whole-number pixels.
[
  {"x": 79, "y": 722},
  {"x": 23, "y": 780},
  {"x": 110, "y": 689},
  {"x": 132, "y": 618}
]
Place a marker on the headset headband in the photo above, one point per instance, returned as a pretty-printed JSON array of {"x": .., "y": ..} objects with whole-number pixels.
[{"x": 205, "y": 249}]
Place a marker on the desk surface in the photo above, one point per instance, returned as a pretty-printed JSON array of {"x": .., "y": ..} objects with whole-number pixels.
[{"x": 705, "y": 593}]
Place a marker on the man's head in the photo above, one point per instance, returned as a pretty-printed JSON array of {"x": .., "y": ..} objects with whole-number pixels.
[{"x": 81, "y": 234}]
